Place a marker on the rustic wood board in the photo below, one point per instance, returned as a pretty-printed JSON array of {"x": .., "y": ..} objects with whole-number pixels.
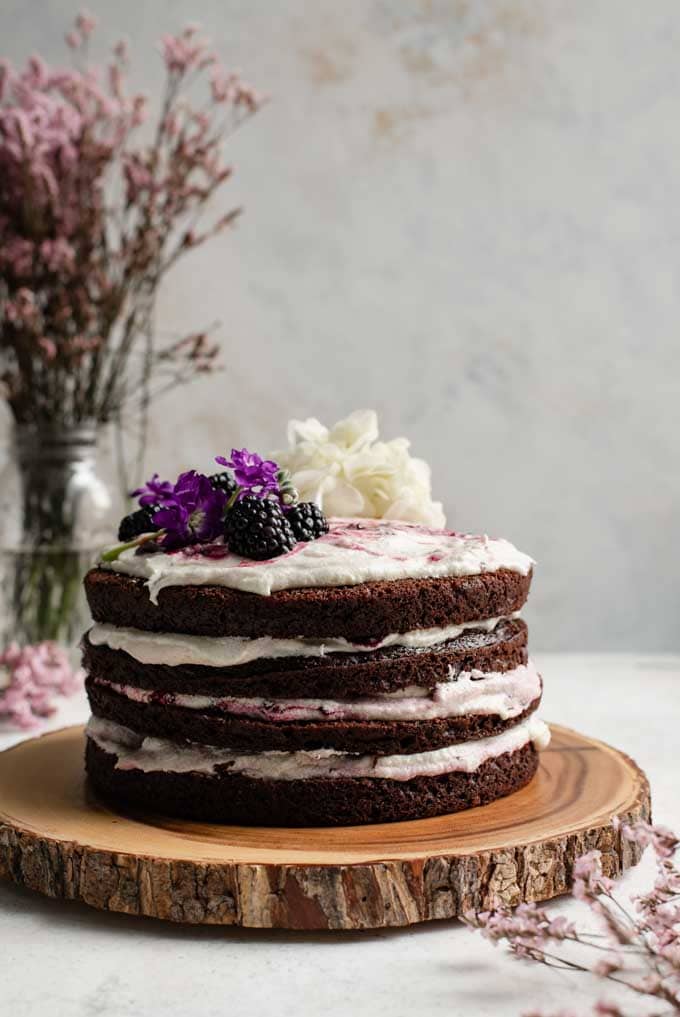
[{"x": 57, "y": 839}]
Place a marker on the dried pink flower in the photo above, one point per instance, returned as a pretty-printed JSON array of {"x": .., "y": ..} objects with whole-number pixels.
[
  {"x": 607, "y": 966},
  {"x": 34, "y": 676},
  {"x": 603, "y": 1009},
  {"x": 641, "y": 954},
  {"x": 86, "y": 23},
  {"x": 588, "y": 877},
  {"x": 48, "y": 347},
  {"x": 663, "y": 841},
  {"x": 181, "y": 53},
  {"x": 57, "y": 254}
]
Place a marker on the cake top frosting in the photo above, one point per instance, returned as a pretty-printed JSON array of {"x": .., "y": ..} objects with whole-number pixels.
[
  {"x": 354, "y": 551},
  {"x": 249, "y": 529}
]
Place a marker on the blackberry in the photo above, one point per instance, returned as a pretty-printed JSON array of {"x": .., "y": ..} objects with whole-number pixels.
[
  {"x": 136, "y": 523},
  {"x": 257, "y": 528},
  {"x": 223, "y": 482},
  {"x": 307, "y": 521}
]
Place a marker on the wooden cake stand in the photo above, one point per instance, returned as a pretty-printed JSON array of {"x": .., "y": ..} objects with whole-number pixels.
[{"x": 57, "y": 839}]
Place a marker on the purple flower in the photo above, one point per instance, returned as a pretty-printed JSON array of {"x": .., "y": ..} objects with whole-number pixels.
[
  {"x": 154, "y": 492},
  {"x": 192, "y": 512},
  {"x": 254, "y": 475}
]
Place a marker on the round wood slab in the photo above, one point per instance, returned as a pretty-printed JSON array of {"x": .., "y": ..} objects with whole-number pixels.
[{"x": 57, "y": 839}]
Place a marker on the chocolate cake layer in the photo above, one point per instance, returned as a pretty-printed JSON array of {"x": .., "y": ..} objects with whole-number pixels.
[
  {"x": 334, "y": 676},
  {"x": 339, "y": 801},
  {"x": 364, "y": 613},
  {"x": 240, "y": 733}
]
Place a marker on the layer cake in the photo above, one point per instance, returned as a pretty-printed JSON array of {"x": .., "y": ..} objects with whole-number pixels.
[{"x": 377, "y": 673}]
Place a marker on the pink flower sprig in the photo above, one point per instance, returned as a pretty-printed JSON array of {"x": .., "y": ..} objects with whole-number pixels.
[
  {"x": 30, "y": 679},
  {"x": 93, "y": 215},
  {"x": 638, "y": 951}
]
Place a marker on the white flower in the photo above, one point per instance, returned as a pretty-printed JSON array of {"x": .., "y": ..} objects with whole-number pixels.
[{"x": 348, "y": 472}]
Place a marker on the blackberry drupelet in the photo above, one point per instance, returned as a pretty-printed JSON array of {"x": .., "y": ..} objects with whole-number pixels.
[
  {"x": 257, "y": 528},
  {"x": 136, "y": 523},
  {"x": 223, "y": 482},
  {"x": 307, "y": 521}
]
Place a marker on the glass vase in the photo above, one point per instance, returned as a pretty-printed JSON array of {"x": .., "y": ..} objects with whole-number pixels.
[{"x": 57, "y": 513}]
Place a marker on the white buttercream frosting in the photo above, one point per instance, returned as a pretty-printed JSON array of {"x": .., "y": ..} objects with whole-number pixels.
[
  {"x": 471, "y": 693},
  {"x": 175, "y": 649},
  {"x": 353, "y": 552},
  {"x": 156, "y": 754}
]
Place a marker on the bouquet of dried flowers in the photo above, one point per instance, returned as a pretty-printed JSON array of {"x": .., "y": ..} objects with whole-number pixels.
[
  {"x": 94, "y": 212},
  {"x": 98, "y": 202},
  {"x": 638, "y": 951}
]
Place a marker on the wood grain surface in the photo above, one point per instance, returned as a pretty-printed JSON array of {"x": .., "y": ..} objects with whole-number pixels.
[{"x": 57, "y": 839}]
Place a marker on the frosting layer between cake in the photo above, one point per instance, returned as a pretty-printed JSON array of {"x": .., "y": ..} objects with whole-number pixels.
[
  {"x": 135, "y": 752},
  {"x": 477, "y": 693},
  {"x": 174, "y": 649},
  {"x": 336, "y": 676}
]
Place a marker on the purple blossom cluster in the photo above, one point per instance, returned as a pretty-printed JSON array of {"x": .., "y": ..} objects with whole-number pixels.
[
  {"x": 253, "y": 474},
  {"x": 154, "y": 492},
  {"x": 79, "y": 272},
  {"x": 192, "y": 510},
  {"x": 640, "y": 951},
  {"x": 193, "y": 513},
  {"x": 34, "y": 676}
]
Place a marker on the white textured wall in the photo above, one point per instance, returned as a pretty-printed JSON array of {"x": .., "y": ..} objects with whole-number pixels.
[{"x": 467, "y": 215}]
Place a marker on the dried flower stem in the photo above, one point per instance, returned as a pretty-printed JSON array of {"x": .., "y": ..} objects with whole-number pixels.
[{"x": 653, "y": 938}]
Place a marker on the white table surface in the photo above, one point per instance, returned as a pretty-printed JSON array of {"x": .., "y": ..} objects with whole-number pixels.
[{"x": 65, "y": 960}]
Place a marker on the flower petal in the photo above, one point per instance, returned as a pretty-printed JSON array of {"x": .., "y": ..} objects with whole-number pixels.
[
  {"x": 310, "y": 429},
  {"x": 344, "y": 500},
  {"x": 356, "y": 431}
]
